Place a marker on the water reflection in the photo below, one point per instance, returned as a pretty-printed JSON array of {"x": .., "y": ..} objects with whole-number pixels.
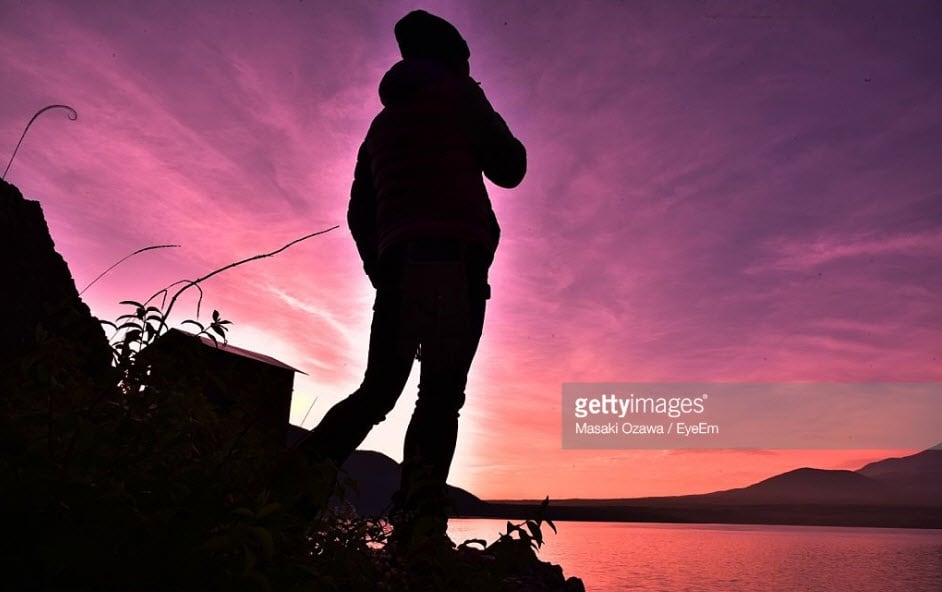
[{"x": 659, "y": 557}]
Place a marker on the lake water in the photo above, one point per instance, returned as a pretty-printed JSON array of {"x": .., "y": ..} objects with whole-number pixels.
[{"x": 612, "y": 556}]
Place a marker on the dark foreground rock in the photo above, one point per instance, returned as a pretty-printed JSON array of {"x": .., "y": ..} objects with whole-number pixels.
[
  {"x": 48, "y": 335},
  {"x": 508, "y": 565}
]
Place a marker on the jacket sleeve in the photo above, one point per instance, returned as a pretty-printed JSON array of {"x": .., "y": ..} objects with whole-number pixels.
[
  {"x": 361, "y": 213},
  {"x": 503, "y": 157}
]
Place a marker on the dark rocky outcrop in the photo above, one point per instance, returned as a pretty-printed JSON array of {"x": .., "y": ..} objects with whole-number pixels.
[{"x": 48, "y": 335}]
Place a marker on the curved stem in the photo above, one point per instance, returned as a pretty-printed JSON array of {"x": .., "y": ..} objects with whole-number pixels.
[
  {"x": 122, "y": 260},
  {"x": 73, "y": 115}
]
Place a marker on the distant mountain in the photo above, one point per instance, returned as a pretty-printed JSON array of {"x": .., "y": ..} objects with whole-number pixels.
[
  {"x": 900, "y": 492},
  {"x": 377, "y": 478},
  {"x": 927, "y": 463},
  {"x": 807, "y": 485},
  {"x": 911, "y": 480},
  {"x": 916, "y": 478}
]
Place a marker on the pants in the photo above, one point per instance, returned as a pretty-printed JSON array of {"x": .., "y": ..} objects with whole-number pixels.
[{"x": 430, "y": 304}]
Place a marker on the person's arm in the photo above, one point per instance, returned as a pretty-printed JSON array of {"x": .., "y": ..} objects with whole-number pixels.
[
  {"x": 503, "y": 157},
  {"x": 361, "y": 214}
]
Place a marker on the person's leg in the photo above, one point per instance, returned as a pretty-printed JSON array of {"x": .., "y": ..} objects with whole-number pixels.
[
  {"x": 393, "y": 343},
  {"x": 450, "y": 336}
]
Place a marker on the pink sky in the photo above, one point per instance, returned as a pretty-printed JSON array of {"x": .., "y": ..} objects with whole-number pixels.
[{"x": 717, "y": 191}]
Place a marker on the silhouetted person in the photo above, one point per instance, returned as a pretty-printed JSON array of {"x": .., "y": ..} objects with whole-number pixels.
[{"x": 426, "y": 232}]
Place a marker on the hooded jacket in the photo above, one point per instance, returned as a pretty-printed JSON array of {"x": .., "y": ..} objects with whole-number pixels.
[{"x": 419, "y": 170}]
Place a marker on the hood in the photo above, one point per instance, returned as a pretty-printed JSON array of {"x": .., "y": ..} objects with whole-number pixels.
[
  {"x": 408, "y": 78},
  {"x": 424, "y": 36}
]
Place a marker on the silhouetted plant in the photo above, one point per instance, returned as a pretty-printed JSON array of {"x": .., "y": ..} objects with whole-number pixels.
[{"x": 530, "y": 531}]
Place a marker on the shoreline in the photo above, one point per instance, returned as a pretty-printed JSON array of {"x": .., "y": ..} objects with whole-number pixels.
[{"x": 856, "y": 516}]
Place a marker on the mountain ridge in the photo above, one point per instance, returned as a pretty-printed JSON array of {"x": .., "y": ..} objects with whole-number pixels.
[{"x": 904, "y": 492}]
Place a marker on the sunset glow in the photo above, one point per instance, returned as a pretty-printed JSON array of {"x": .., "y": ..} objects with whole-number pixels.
[{"x": 717, "y": 191}]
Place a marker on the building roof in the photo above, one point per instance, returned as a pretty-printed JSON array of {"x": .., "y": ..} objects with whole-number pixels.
[{"x": 238, "y": 351}]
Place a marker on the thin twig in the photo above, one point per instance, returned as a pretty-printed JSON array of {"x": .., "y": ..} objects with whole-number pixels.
[
  {"x": 163, "y": 299},
  {"x": 122, "y": 260},
  {"x": 164, "y": 293},
  {"x": 191, "y": 283},
  {"x": 308, "y": 411}
]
